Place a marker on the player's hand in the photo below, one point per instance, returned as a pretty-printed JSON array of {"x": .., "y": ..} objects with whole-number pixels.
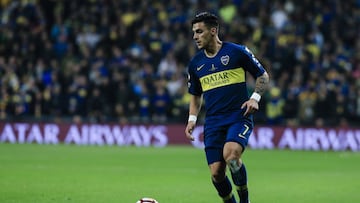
[
  {"x": 189, "y": 129},
  {"x": 251, "y": 107}
]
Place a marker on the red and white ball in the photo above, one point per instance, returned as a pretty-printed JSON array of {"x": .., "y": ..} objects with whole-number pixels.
[{"x": 147, "y": 200}]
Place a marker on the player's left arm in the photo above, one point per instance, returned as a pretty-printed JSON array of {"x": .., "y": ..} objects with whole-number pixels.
[{"x": 261, "y": 85}]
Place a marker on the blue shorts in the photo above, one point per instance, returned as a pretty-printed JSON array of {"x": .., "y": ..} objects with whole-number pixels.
[{"x": 216, "y": 137}]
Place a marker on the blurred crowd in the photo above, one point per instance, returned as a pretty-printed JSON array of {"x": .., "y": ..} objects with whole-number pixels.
[{"x": 125, "y": 60}]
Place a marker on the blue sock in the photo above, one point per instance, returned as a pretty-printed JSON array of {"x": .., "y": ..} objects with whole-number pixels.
[
  {"x": 224, "y": 189},
  {"x": 239, "y": 177}
]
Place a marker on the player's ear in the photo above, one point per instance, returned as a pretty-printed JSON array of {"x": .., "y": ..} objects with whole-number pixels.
[{"x": 213, "y": 31}]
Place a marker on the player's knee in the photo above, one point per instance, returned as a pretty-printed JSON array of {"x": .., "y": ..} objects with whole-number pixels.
[
  {"x": 232, "y": 156},
  {"x": 217, "y": 175},
  {"x": 232, "y": 151}
]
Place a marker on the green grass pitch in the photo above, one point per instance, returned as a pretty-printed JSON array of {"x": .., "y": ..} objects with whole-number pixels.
[{"x": 176, "y": 174}]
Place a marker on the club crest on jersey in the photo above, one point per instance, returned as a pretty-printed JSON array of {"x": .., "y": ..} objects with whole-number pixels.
[{"x": 225, "y": 60}]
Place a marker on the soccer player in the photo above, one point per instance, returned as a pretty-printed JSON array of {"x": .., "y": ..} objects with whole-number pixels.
[{"x": 217, "y": 76}]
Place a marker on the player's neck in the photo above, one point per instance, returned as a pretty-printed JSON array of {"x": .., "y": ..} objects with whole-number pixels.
[{"x": 213, "y": 48}]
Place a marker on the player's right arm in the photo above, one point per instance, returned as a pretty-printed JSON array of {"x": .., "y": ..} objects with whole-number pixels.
[
  {"x": 195, "y": 91},
  {"x": 194, "y": 108}
]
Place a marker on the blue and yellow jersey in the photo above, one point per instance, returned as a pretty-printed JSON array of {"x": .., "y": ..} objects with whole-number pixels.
[{"x": 221, "y": 80}]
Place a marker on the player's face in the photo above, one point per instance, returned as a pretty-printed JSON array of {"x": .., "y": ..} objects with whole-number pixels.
[{"x": 202, "y": 35}]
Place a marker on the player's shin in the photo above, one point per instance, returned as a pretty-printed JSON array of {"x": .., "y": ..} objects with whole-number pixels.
[
  {"x": 224, "y": 189},
  {"x": 239, "y": 176}
]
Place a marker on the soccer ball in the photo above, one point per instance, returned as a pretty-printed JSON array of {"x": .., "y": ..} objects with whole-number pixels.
[{"x": 147, "y": 200}]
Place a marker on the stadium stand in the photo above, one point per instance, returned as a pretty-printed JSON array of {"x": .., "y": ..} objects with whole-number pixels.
[{"x": 125, "y": 61}]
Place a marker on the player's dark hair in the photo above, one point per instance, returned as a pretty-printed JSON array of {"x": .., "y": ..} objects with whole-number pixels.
[{"x": 209, "y": 19}]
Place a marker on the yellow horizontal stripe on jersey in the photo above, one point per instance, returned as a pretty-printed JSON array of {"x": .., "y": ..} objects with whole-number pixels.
[{"x": 222, "y": 78}]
